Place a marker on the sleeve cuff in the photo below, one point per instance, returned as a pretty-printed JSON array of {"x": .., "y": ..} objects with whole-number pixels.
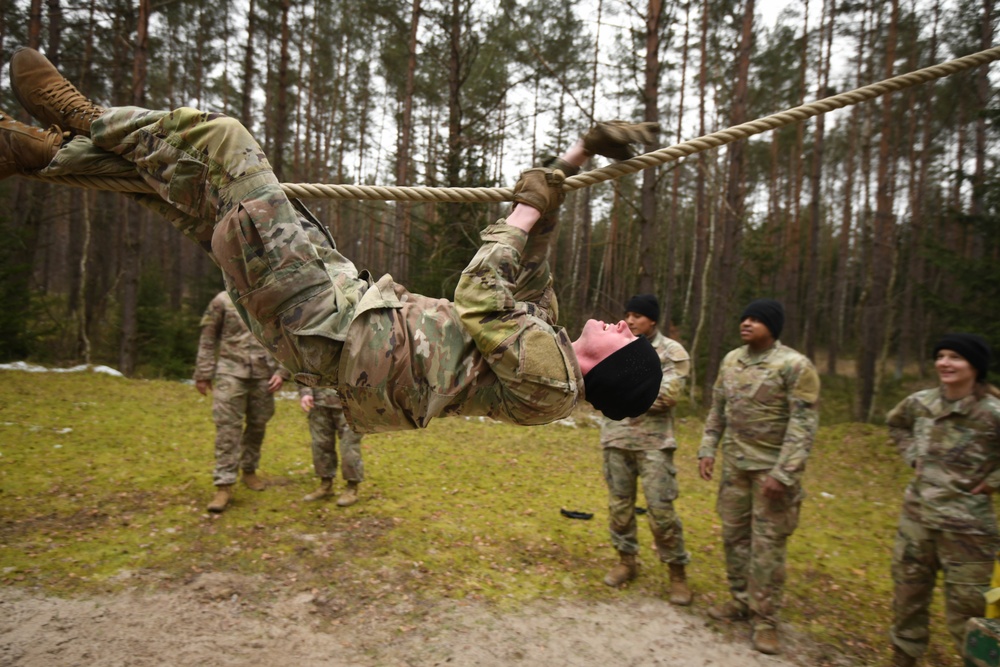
[{"x": 501, "y": 232}]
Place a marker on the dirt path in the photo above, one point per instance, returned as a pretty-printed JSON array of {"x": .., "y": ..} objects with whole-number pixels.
[{"x": 215, "y": 620}]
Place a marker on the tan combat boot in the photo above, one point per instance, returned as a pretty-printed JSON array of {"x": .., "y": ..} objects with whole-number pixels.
[
  {"x": 49, "y": 97},
  {"x": 252, "y": 481},
  {"x": 766, "y": 640},
  {"x": 680, "y": 592},
  {"x": 325, "y": 490},
  {"x": 901, "y": 658},
  {"x": 731, "y": 610},
  {"x": 349, "y": 496},
  {"x": 223, "y": 494},
  {"x": 24, "y": 148},
  {"x": 626, "y": 570}
]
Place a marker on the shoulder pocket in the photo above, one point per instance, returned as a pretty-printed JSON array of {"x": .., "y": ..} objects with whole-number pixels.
[{"x": 542, "y": 359}]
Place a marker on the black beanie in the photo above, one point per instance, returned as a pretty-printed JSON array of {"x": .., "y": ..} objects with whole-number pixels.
[
  {"x": 626, "y": 382},
  {"x": 768, "y": 312},
  {"x": 644, "y": 304},
  {"x": 973, "y": 349}
]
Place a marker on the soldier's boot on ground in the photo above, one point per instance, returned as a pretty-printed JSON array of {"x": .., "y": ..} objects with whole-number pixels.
[
  {"x": 223, "y": 494},
  {"x": 766, "y": 640},
  {"x": 252, "y": 481},
  {"x": 680, "y": 592},
  {"x": 325, "y": 490},
  {"x": 730, "y": 610},
  {"x": 48, "y": 96},
  {"x": 24, "y": 148},
  {"x": 626, "y": 570},
  {"x": 349, "y": 496},
  {"x": 901, "y": 658}
]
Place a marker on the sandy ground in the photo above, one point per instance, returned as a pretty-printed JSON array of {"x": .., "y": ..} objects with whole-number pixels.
[{"x": 219, "y": 620}]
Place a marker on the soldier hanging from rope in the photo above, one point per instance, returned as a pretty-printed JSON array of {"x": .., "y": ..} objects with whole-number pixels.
[{"x": 397, "y": 359}]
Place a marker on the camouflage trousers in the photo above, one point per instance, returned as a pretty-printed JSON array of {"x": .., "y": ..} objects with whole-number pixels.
[
  {"x": 622, "y": 470},
  {"x": 241, "y": 408},
  {"x": 212, "y": 181},
  {"x": 325, "y": 425},
  {"x": 919, "y": 553},
  {"x": 755, "y": 532}
]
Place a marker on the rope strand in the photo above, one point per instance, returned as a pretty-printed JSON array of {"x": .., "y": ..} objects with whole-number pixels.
[{"x": 587, "y": 179}]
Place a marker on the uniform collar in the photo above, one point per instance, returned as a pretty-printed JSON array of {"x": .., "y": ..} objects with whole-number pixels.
[
  {"x": 748, "y": 358},
  {"x": 943, "y": 407}
]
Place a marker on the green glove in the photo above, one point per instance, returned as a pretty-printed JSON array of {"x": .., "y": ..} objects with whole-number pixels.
[
  {"x": 541, "y": 189},
  {"x": 612, "y": 139}
]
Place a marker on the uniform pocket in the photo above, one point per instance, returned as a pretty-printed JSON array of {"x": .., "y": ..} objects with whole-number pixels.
[{"x": 187, "y": 183}]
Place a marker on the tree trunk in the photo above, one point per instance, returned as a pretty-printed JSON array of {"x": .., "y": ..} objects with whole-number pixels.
[
  {"x": 731, "y": 216},
  {"x": 277, "y": 154},
  {"x": 401, "y": 242},
  {"x": 132, "y": 248},
  {"x": 874, "y": 312},
  {"x": 693, "y": 299},
  {"x": 815, "y": 185},
  {"x": 247, "y": 103},
  {"x": 673, "y": 233},
  {"x": 651, "y": 113}
]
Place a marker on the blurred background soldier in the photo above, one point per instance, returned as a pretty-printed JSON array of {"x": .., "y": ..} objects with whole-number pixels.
[
  {"x": 643, "y": 448},
  {"x": 764, "y": 417},
  {"x": 326, "y": 423},
  {"x": 246, "y": 377}
]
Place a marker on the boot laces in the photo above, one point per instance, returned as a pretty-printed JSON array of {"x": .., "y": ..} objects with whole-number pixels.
[{"x": 69, "y": 101}]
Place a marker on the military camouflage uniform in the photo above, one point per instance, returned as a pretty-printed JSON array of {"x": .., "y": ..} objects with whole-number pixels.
[
  {"x": 952, "y": 446},
  {"x": 765, "y": 417},
  {"x": 397, "y": 359},
  {"x": 240, "y": 377},
  {"x": 326, "y": 422},
  {"x": 643, "y": 448}
]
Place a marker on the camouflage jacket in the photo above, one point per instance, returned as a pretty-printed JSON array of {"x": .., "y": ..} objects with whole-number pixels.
[
  {"x": 322, "y": 396},
  {"x": 764, "y": 412},
  {"x": 655, "y": 429},
  {"x": 408, "y": 358},
  {"x": 239, "y": 353},
  {"x": 953, "y": 446}
]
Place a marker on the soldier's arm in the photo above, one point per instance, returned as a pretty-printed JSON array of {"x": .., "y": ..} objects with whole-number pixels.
[
  {"x": 715, "y": 423},
  {"x": 900, "y": 421},
  {"x": 803, "y": 420},
  {"x": 211, "y": 330},
  {"x": 676, "y": 369}
]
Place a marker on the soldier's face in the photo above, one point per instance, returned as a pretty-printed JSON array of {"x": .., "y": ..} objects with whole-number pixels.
[
  {"x": 953, "y": 369},
  {"x": 598, "y": 339},
  {"x": 755, "y": 333},
  {"x": 639, "y": 325}
]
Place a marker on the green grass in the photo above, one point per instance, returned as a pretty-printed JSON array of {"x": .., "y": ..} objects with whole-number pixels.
[{"x": 102, "y": 477}]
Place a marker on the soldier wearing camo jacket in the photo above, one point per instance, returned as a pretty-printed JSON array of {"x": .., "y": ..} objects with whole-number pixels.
[
  {"x": 764, "y": 418},
  {"x": 397, "y": 359},
  {"x": 643, "y": 449},
  {"x": 950, "y": 436},
  {"x": 245, "y": 377},
  {"x": 327, "y": 424}
]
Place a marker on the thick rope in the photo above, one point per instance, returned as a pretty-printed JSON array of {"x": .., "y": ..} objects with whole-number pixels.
[{"x": 587, "y": 179}]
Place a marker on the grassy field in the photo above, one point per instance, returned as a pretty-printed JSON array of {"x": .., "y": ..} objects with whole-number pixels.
[{"x": 101, "y": 476}]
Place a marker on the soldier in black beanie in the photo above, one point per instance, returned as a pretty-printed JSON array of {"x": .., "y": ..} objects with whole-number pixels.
[
  {"x": 768, "y": 312},
  {"x": 642, "y": 449},
  {"x": 950, "y": 436},
  {"x": 762, "y": 424}
]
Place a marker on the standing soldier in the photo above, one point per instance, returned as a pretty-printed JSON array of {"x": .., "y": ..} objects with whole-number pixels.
[
  {"x": 764, "y": 415},
  {"x": 643, "y": 448},
  {"x": 326, "y": 422},
  {"x": 246, "y": 377},
  {"x": 950, "y": 436}
]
